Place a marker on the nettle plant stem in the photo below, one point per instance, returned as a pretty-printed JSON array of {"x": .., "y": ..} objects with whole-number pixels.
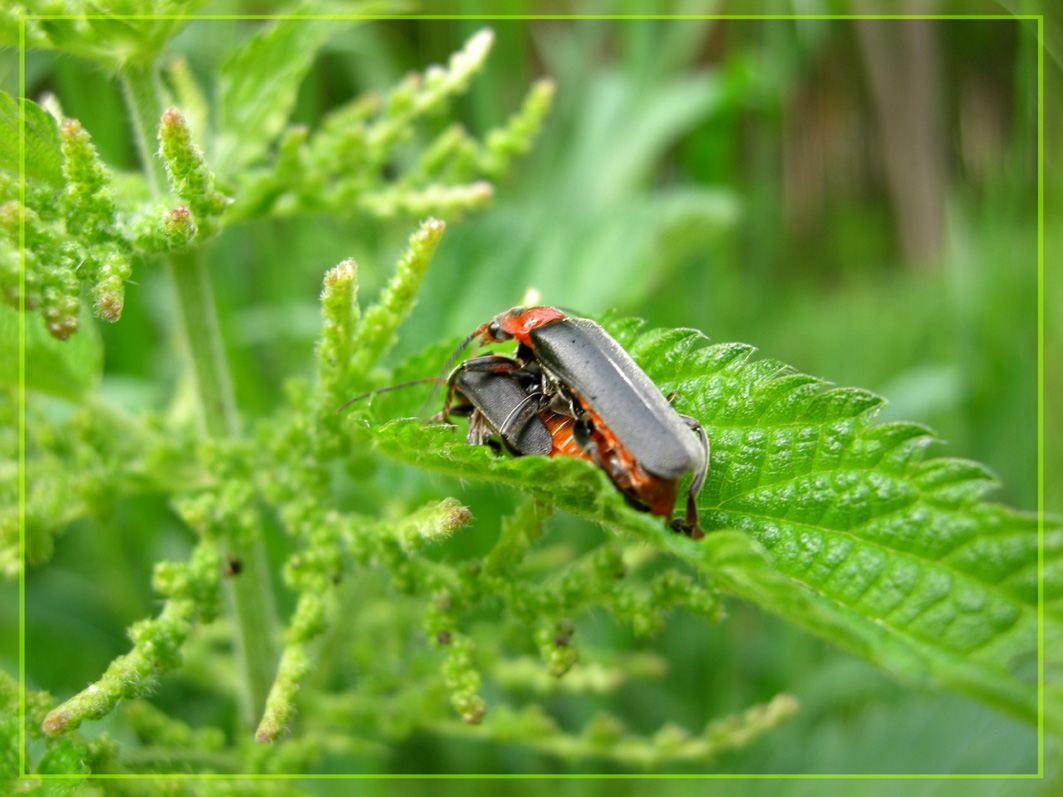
[
  {"x": 141, "y": 91},
  {"x": 250, "y": 595}
]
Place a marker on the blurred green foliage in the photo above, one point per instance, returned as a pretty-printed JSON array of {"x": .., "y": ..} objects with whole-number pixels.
[{"x": 728, "y": 176}]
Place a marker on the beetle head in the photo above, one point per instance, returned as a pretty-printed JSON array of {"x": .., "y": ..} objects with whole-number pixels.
[{"x": 516, "y": 323}]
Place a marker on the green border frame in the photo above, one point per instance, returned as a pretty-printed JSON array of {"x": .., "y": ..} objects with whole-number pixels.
[{"x": 1039, "y": 18}]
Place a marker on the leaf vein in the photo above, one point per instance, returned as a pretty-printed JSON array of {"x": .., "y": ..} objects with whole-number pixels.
[{"x": 925, "y": 563}]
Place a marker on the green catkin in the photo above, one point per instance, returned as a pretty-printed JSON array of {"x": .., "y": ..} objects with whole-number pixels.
[
  {"x": 376, "y": 330},
  {"x": 93, "y": 218},
  {"x": 190, "y": 177}
]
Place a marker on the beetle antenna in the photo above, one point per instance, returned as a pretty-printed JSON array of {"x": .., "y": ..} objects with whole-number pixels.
[
  {"x": 445, "y": 371},
  {"x": 570, "y": 312},
  {"x": 453, "y": 358},
  {"x": 412, "y": 382}
]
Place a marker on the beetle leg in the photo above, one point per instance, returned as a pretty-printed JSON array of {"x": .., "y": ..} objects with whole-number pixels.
[
  {"x": 479, "y": 433},
  {"x": 476, "y": 435},
  {"x": 563, "y": 402},
  {"x": 491, "y": 363},
  {"x": 682, "y": 527},
  {"x": 520, "y": 414},
  {"x": 691, "y": 520},
  {"x": 588, "y": 446},
  {"x": 488, "y": 363},
  {"x": 582, "y": 431},
  {"x": 689, "y": 525}
]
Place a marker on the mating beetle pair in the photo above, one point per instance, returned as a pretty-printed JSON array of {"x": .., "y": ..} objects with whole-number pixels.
[{"x": 572, "y": 390}]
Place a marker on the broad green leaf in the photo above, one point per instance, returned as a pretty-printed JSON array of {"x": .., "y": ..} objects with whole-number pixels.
[
  {"x": 44, "y": 160},
  {"x": 258, "y": 84},
  {"x": 69, "y": 369},
  {"x": 852, "y": 533}
]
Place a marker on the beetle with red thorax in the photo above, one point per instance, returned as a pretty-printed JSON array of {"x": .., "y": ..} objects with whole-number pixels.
[{"x": 598, "y": 405}]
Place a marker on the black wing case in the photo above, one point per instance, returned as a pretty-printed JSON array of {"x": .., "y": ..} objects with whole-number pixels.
[
  {"x": 596, "y": 368},
  {"x": 496, "y": 395}
]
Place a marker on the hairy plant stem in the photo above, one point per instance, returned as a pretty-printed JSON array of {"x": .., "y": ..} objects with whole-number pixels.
[
  {"x": 154, "y": 759},
  {"x": 195, "y": 299},
  {"x": 250, "y": 594},
  {"x": 140, "y": 86}
]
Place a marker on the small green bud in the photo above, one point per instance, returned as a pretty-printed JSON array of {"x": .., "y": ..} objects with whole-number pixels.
[
  {"x": 60, "y": 306},
  {"x": 401, "y": 99},
  {"x": 603, "y": 730},
  {"x": 309, "y": 618},
  {"x": 109, "y": 292},
  {"x": 738, "y": 731},
  {"x": 176, "y": 227},
  {"x": 169, "y": 578},
  {"x": 11, "y": 215},
  {"x": 463, "y": 681},
  {"x": 345, "y": 274},
  {"x": 669, "y": 739},
  {"x": 433, "y": 523},
  {"x": 609, "y": 564},
  {"x": 195, "y": 511},
  {"x": 291, "y": 152},
  {"x": 637, "y": 609},
  {"x": 182, "y": 156},
  {"x": 471, "y": 709},
  {"x": 440, "y": 618},
  {"x": 556, "y": 649}
]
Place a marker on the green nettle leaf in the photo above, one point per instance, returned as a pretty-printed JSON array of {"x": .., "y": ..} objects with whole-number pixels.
[
  {"x": 257, "y": 87},
  {"x": 852, "y": 533},
  {"x": 44, "y": 160},
  {"x": 97, "y": 31},
  {"x": 70, "y": 369}
]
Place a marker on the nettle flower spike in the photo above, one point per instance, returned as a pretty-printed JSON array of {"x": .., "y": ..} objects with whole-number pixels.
[
  {"x": 51, "y": 283},
  {"x": 521, "y": 130},
  {"x": 190, "y": 177},
  {"x": 339, "y": 314},
  {"x": 106, "y": 259},
  {"x": 376, "y": 332},
  {"x": 109, "y": 292},
  {"x": 87, "y": 177}
]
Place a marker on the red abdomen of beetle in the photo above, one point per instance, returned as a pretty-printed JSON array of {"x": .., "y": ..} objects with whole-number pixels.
[
  {"x": 560, "y": 427},
  {"x": 657, "y": 495}
]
